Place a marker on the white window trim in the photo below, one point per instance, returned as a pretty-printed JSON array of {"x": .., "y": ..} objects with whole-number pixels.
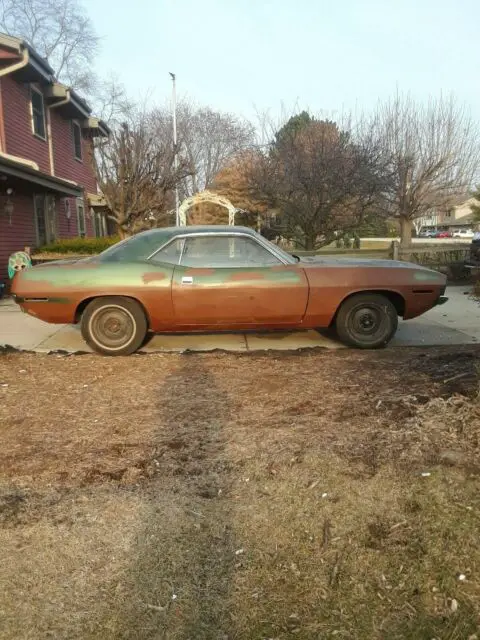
[
  {"x": 37, "y": 135},
  {"x": 75, "y": 123},
  {"x": 81, "y": 206}
]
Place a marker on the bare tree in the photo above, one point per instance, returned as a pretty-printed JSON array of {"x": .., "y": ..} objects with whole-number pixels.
[
  {"x": 434, "y": 152},
  {"x": 323, "y": 181},
  {"x": 207, "y": 139},
  {"x": 111, "y": 101},
  {"x": 60, "y": 31},
  {"x": 136, "y": 174}
]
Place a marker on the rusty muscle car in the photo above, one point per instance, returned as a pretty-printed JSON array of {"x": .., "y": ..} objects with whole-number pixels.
[{"x": 214, "y": 278}]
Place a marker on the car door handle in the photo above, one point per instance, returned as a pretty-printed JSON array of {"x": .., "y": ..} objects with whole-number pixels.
[{"x": 187, "y": 280}]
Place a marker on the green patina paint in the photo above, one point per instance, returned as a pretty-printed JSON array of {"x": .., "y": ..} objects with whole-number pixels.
[
  {"x": 233, "y": 277},
  {"x": 159, "y": 275},
  {"x": 101, "y": 276}
]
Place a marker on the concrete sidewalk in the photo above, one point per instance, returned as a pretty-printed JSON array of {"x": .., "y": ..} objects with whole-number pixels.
[
  {"x": 457, "y": 322},
  {"x": 23, "y": 332}
]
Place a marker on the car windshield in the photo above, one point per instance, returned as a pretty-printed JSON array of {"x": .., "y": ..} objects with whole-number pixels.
[{"x": 135, "y": 248}]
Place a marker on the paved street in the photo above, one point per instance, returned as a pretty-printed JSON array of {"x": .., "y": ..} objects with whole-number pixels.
[{"x": 456, "y": 322}]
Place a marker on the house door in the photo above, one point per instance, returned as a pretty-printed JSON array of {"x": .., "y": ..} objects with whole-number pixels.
[{"x": 45, "y": 219}]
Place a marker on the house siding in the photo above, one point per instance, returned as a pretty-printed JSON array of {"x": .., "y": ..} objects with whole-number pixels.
[
  {"x": 21, "y": 142},
  {"x": 18, "y": 235},
  {"x": 65, "y": 164},
  {"x": 19, "y": 138},
  {"x": 22, "y": 232},
  {"x": 68, "y": 229}
]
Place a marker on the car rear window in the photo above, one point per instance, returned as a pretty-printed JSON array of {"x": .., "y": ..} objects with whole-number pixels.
[{"x": 134, "y": 249}]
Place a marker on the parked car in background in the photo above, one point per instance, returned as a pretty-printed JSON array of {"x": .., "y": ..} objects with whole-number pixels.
[
  {"x": 443, "y": 234},
  {"x": 217, "y": 278},
  {"x": 463, "y": 233},
  {"x": 427, "y": 233}
]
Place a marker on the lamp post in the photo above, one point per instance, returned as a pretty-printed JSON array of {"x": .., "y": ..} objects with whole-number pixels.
[{"x": 175, "y": 156}]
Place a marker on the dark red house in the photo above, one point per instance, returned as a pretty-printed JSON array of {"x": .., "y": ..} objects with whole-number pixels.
[{"x": 48, "y": 188}]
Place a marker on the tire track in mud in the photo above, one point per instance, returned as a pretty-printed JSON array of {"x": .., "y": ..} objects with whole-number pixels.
[{"x": 179, "y": 584}]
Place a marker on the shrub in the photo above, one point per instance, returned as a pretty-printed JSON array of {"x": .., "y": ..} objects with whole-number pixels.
[{"x": 80, "y": 246}]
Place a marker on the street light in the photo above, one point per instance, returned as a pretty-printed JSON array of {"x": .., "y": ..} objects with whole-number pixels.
[{"x": 175, "y": 156}]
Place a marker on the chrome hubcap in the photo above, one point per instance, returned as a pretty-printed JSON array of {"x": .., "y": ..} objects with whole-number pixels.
[{"x": 112, "y": 327}]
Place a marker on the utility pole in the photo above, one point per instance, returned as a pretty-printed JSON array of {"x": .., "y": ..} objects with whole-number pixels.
[{"x": 175, "y": 156}]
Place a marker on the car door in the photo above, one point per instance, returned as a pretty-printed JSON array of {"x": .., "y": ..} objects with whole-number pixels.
[{"x": 231, "y": 280}]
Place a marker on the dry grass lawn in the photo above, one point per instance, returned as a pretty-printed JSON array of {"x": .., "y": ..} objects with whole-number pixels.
[{"x": 221, "y": 496}]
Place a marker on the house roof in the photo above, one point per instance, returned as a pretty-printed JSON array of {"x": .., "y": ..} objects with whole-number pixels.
[
  {"x": 25, "y": 172},
  {"x": 37, "y": 69},
  {"x": 17, "y": 46}
]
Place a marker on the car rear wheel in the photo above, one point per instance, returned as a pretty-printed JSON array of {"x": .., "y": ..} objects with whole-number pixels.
[
  {"x": 114, "y": 326},
  {"x": 366, "y": 321}
]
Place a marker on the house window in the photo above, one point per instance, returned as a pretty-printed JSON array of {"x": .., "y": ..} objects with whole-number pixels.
[
  {"x": 77, "y": 140},
  {"x": 99, "y": 224},
  {"x": 81, "y": 224},
  {"x": 45, "y": 218},
  {"x": 38, "y": 113}
]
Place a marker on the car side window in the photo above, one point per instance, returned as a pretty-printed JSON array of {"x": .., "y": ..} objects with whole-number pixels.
[
  {"x": 170, "y": 253},
  {"x": 225, "y": 252}
]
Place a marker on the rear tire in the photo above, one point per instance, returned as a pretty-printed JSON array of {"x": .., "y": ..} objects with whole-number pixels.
[
  {"x": 114, "y": 326},
  {"x": 366, "y": 321}
]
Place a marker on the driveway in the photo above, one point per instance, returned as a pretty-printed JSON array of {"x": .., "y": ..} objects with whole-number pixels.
[{"x": 456, "y": 322}]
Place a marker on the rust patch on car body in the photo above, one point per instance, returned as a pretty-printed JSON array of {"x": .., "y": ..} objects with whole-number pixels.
[
  {"x": 200, "y": 272},
  {"x": 153, "y": 277}
]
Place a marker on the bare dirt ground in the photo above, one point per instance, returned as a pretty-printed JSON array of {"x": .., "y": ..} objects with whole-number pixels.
[{"x": 222, "y": 496}]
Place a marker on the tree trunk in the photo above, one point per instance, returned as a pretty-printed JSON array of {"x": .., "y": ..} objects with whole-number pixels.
[
  {"x": 122, "y": 232},
  {"x": 310, "y": 239},
  {"x": 405, "y": 231}
]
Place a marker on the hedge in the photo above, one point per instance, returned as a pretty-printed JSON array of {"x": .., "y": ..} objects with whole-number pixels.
[{"x": 80, "y": 246}]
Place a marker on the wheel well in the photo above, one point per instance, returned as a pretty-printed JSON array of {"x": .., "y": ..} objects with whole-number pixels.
[
  {"x": 395, "y": 298},
  {"x": 84, "y": 304}
]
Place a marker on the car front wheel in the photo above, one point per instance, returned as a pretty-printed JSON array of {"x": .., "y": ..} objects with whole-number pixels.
[
  {"x": 114, "y": 326},
  {"x": 366, "y": 321}
]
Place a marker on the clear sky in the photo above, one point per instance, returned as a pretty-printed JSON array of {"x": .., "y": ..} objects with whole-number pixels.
[{"x": 248, "y": 55}]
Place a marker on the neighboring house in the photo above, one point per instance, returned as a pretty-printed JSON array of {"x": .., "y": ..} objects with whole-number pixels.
[
  {"x": 458, "y": 217},
  {"x": 48, "y": 188}
]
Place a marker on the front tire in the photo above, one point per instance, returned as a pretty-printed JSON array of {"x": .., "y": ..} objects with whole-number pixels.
[
  {"x": 114, "y": 326},
  {"x": 366, "y": 321}
]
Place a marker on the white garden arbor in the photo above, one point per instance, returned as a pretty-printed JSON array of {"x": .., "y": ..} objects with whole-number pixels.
[{"x": 206, "y": 196}]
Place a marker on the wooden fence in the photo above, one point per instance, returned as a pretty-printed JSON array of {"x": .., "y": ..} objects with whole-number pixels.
[{"x": 431, "y": 255}]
